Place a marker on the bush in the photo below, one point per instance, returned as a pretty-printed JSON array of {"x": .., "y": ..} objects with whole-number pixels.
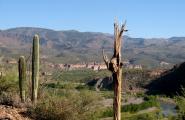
[
  {"x": 6, "y": 99},
  {"x": 106, "y": 112},
  {"x": 9, "y": 82},
  {"x": 11, "y": 99},
  {"x": 9, "y": 91},
  {"x": 107, "y": 94},
  {"x": 149, "y": 102},
  {"x": 145, "y": 116},
  {"x": 53, "y": 109},
  {"x": 60, "y": 85},
  {"x": 79, "y": 105},
  {"x": 84, "y": 87},
  {"x": 181, "y": 108}
]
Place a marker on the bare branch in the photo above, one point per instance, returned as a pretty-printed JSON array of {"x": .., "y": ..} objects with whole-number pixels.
[
  {"x": 123, "y": 29},
  {"x": 116, "y": 33},
  {"x": 105, "y": 58}
]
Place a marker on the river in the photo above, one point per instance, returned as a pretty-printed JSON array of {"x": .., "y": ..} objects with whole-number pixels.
[{"x": 168, "y": 108}]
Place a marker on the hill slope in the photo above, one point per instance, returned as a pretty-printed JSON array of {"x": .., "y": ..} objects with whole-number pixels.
[
  {"x": 170, "y": 83},
  {"x": 74, "y": 46}
]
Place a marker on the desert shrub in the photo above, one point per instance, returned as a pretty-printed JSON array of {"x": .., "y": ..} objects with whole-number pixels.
[
  {"x": 68, "y": 85},
  {"x": 11, "y": 99},
  {"x": 180, "y": 102},
  {"x": 84, "y": 87},
  {"x": 107, "y": 94},
  {"x": 106, "y": 112},
  {"x": 6, "y": 99},
  {"x": 180, "y": 108},
  {"x": 9, "y": 94},
  {"x": 60, "y": 85},
  {"x": 149, "y": 102},
  {"x": 53, "y": 109},
  {"x": 9, "y": 82},
  {"x": 140, "y": 94},
  {"x": 150, "y": 98},
  {"x": 66, "y": 105},
  {"x": 172, "y": 117},
  {"x": 144, "y": 116}
]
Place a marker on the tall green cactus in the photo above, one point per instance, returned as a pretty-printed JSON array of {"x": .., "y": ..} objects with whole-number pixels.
[
  {"x": 35, "y": 68},
  {"x": 22, "y": 77}
]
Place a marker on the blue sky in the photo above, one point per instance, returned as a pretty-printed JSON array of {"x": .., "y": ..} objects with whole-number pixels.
[{"x": 145, "y": 18}]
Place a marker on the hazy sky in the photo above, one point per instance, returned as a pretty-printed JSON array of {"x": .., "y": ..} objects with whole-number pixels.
[{"x": 145, "y": 18}]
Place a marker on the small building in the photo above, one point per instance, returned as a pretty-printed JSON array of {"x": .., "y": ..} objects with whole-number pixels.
[
  {"x": 12, "y": 61},
  {"x": 139, "y": 67},
  {"x": 156, "y": 72},
  {"x": 163, "y": 63}
]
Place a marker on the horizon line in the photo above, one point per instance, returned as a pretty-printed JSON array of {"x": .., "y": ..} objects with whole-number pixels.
[{"x": 61, "y": 30}]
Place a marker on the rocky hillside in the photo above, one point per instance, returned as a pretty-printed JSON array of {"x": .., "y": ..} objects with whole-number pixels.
[
  {"x": 74, "y": 46},
  {"x": 171, "y": 82}
]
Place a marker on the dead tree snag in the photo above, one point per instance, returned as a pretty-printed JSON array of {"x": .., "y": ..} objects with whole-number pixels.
[{"x": 115, "y": 66}]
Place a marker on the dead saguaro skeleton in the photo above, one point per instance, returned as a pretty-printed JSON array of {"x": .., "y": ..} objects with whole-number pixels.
[{"x": 115, "y": 66}]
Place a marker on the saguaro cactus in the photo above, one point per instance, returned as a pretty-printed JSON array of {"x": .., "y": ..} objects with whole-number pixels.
[
  {"x": 22, "y": 77},
  {"x": 115, "y": 66},
  {"x": 35, "y": 67}
]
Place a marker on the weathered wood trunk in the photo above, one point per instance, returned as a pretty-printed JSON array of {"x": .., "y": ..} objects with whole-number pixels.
[
  {"x": 115, "y": 66},
  {"x": 117, "y": 94}
]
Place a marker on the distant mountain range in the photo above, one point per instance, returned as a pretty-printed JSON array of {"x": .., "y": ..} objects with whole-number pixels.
[{"x": 74, "y": 46}]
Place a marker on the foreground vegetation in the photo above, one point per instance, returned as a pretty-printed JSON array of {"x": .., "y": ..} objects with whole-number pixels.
[{"x": 63, "y": 99}]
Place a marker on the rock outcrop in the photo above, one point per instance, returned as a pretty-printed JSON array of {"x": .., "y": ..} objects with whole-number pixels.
[{"x": 101, "y": 83}]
